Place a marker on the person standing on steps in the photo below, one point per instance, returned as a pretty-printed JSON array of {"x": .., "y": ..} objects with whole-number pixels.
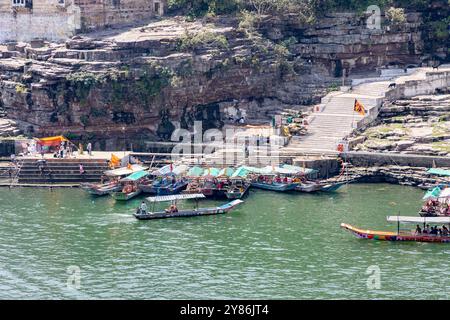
[
  {"x": 82, "y": 171},
  {"x": 89, "y": 148}
]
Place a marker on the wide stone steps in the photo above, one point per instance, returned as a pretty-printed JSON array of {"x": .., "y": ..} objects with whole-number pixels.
[{"x": 60, "y": 171}]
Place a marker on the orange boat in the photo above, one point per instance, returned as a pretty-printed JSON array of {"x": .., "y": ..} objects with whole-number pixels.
[{"x": 403, "y": 235}]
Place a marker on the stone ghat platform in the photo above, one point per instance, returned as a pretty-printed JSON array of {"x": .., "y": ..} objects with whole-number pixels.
[{"x": 58, "y": 172}]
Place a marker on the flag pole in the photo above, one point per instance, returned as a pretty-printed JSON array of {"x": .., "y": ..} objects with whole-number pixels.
[{"x": 353, "y": 114}]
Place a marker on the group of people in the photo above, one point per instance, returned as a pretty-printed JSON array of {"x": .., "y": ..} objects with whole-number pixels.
[
  {"x": 432, "y": 230},
  {"x": 143, "y": 209},
  {"x": 65, "y": 150},
  {"x": 434, "y": 207}
]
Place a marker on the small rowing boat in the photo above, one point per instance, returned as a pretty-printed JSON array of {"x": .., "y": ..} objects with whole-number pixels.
[
  {"x": 238, "y": 189},
  {"x": 101, "y": 189},
  {"x": 403, "y": 235},
  {"x": 173, "y": 211}
]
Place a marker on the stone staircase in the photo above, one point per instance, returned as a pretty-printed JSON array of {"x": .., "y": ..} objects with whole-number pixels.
[
  {"x": 61, "y": 171},
  {"x": 334, "y": 119},
  {"x": 8, "y": 128}
]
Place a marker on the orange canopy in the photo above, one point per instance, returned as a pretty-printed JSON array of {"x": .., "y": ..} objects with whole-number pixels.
[{"x": 51, "y": 141}]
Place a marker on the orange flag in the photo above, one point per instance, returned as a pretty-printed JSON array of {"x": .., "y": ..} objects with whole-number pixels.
[
  {"x": 115, "y": 161},
  {"x": 359, "y": 107}
]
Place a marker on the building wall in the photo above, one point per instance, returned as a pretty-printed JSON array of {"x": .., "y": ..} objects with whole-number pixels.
[
  {"x": 104, "y": 13},
  {"x": 52, "y": 21}
]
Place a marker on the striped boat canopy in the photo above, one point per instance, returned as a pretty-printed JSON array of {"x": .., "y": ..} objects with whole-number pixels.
[
  {"x": 176, "y": 197},
  {"x": 433, "y": 220}
]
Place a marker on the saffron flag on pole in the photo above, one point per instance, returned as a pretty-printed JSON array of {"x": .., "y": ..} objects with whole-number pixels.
[
  {"x": 115, "y": 161},
  {"x": 359, "y": 107}
]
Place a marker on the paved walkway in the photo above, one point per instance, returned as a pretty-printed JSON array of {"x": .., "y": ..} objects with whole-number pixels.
[{"x": 336, "y": 118}]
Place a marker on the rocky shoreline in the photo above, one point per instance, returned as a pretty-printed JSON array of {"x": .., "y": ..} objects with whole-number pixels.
[{"x": 419, "y": 125}]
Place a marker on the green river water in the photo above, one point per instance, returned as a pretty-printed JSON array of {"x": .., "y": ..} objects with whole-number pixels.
[{"x": 275, "y": 246}]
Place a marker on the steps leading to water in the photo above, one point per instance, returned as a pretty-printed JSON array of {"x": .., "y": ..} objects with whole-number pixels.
[
  {"x": 61, "y": 171},
  {"x": 335, "y": 117}
]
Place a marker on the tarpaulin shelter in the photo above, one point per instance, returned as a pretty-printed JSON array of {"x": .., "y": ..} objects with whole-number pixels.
[
  {"x": 135, "y": 176},
  {"x": 124, "y": 171},
  {"x": 240, "y": 172},
  {"x": 434, "y": 193},
  {"x": 214, "y": 172},
  {"x": 195, "y": 172},
  {"x": 226, "y": 172},
  {"x": 51, "y": 141}
]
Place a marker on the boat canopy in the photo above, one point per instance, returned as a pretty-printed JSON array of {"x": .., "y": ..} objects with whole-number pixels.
[
  {"x": 226, "y": 172},
  {"x": 214, "y": 172},
  {"x": 176, "y": 197},
  {"x": 195, "y": 172},
  {"x": 434, "y": 220},
  {"x": 171, "y": 170},
  {"x": 135, "y": 176},
  {"x": 240, "y": 172},
  {"x": 439, "y": 172},
  {"x": 125, "y": 171},
  {"x": 298, "y": 169},
  {"x": 433, "y": 193}
]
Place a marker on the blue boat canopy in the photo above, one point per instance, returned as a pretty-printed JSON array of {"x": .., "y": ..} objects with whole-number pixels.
[
  {"x": 135, "y": 176},
  {"x": 195, "y": 172},
  {"x": 214, "y": 172}
]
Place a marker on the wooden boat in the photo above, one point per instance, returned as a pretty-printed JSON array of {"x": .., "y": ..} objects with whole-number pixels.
[
  {"x": 147, "y": 187},
  {"x": 309, "y": 186},
  {"x": 172, "y": 188},
  {"x": 401, "y": 235},
  {"x": 130, "y": 187},
  {"x": 279, "y": 187},
  {"x": 122, "y": 196},
  {"x": 101, "y": 189},
  {"x": 312, "y": 186},
  {"x": 152, "y": 215},
  {"x": 237, "y": 191},
  {"x": 331, "y": 187}
]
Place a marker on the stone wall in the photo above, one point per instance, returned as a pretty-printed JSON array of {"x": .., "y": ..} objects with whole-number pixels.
[
  {"x": 50, "y": 20},
  {"x": 370, "y": 159},
  {"x": 104, "y": 13}
]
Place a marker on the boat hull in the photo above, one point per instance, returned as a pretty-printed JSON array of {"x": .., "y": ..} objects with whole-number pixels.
[
  {"x": 120, "y": 196},
  {"x": 189, "y": 213},
  {"x": 147, "y": 188},
  {"x": 238, "y": 194},
  {"x": 279, "y": 187},
  {"x": 393, "y": 236},
  {"x": 98, "y": 190},
  {"x": 171, "y": 190},
  {"x": 332, "y": 186}
]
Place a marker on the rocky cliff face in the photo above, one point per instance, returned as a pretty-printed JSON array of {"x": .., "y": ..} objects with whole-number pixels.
[{"x": 140, "y": 84}]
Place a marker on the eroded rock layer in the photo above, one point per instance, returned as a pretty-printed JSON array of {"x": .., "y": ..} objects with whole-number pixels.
[{"x": 140, "y": 84}]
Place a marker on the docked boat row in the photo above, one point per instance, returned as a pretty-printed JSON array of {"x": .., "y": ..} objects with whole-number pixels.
[{"x": 226, "y": 183}]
